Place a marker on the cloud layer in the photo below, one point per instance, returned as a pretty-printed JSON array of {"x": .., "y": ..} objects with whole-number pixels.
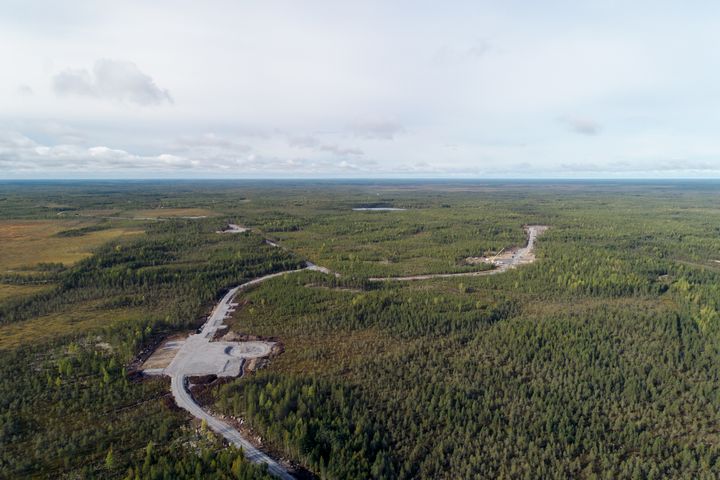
[
  {"x": 114, "y": 80},
  {"x": 373, "y": 88}
]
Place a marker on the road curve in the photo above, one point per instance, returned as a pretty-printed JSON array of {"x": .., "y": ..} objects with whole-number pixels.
[
  {"x": 178, "y": 368},
  {"x": 522, "y": 256},
  {"x": 178, "y": 372}
]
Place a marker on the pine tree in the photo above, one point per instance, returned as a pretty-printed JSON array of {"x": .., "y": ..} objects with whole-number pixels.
[{"x": 109, "y": 459}]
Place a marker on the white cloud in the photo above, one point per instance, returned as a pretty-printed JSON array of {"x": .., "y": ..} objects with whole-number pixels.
[
  {"x": 21, "y": 154},
  {"x": 328, "y": 88},
  {"x": 448, "y": 54},
  {"x": 583, "y": 126},
  {"x": 25, "y": 90},
  {"x": 313, "y": 143},
  {"x": 111, "y": 79},
  {"x": 375, "y": 129}
]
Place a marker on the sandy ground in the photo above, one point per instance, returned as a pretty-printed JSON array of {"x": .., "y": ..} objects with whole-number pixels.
[
  {"x": 232, "y": 228},
  {"x": 164, "y": 353},
  {"x": 521, "y": 256},
  {"x": 199, "y": 355}
]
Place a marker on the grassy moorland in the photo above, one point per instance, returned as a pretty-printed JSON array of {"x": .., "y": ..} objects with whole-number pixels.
[
  {"x": 27, "y": 244},
  {"x": 600, "y": 360}
]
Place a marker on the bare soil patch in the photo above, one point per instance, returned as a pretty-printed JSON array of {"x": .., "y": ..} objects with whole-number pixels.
[{"x": 164, "y": 354}]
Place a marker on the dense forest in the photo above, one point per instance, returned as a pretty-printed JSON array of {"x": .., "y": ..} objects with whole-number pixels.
[{"x": 599, "y": 360}]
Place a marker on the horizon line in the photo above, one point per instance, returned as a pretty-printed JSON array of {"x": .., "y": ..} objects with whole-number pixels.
[{"x": 296, "y": 179}]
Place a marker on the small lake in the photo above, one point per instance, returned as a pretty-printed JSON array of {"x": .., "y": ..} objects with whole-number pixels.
[{"x": 378, "y": 209}]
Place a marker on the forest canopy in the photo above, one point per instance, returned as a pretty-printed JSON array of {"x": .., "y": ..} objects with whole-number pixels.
[{"x": 598, "y": 360}]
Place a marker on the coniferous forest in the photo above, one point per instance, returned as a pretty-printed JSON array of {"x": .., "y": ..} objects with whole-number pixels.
[{"x": 601, "y": 359}]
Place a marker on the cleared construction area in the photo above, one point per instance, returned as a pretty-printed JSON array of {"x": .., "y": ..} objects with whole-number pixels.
[
  {"x": 200, "y": 355},
  {"x": 163, "y": 355}
]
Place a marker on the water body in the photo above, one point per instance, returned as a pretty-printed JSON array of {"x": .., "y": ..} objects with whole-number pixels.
[{"x": 378, "y": 209}]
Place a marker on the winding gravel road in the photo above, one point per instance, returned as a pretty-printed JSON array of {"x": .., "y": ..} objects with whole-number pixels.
[
  {"x": 522, "y": 256},
  {"x": 192, "y": 359},
  {"x": 197, "y": 356}
]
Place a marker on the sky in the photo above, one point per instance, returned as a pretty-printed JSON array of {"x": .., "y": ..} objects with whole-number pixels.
[{"x": 363, "y": 89}]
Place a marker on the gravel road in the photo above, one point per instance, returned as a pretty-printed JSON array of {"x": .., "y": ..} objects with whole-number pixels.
[
  {"x": 199, "y": 355},
  {"x": 185, "y": 401},
  {"x": 522, "y": 256}
]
